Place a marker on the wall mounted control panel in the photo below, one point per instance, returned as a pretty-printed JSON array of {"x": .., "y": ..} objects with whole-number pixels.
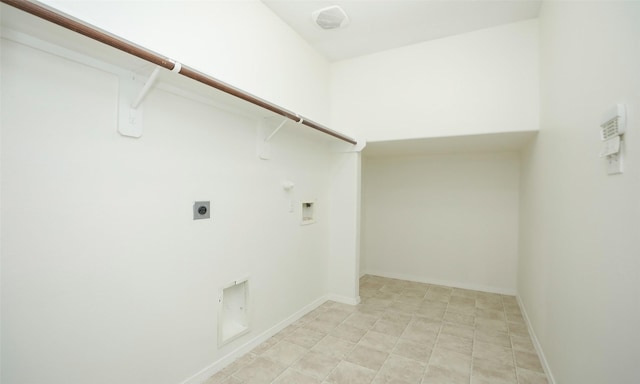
[
  {"x": 612, "y": 130},
  {"x": 201, "y": 210}
]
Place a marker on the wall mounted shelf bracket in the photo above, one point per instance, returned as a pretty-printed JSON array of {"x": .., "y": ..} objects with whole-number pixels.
[
  {"x": 265, "y": 134},
  {"x": 130, "y": 97},
  {"x": 275, "y": 130}
]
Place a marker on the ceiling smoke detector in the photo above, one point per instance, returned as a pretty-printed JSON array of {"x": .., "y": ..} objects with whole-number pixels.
[{"x": 332, "y": 17}]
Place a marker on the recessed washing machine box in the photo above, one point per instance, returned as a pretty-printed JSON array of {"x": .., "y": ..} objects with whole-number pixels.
[{"x": 308, "y": 214}]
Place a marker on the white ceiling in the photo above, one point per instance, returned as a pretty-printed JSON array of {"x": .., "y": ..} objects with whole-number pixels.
[
  {"x": 492, "y": 142},
  {"x": 379, "y": 25}
]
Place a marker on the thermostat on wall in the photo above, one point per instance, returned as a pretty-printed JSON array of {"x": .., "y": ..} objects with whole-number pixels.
[
  {"x": 614, "y": 122},
  {"x": 612, "y": 128}
]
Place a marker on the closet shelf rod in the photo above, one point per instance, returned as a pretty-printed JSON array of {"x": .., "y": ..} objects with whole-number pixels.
[{"x": 94, "y": 33}]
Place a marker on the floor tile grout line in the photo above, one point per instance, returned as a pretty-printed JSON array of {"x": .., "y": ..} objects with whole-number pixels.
[
  {"x": 310, "y": 348},
  {"x": 438, "y": 335},
  {"x": 283, "y": 339},
  {"x": 395, "y": 345},
  {"x": 442, "y": 323},
  {"x": 473, "y": 341},
  {"x": 513, "y": 352},
  {"x": 346, "y": 354},
  {"x": 389, "y": 354},
  {"x": 426, "y": 364}
]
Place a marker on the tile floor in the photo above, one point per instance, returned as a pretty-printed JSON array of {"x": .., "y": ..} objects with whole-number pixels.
[{"x": 402, "y": 333}]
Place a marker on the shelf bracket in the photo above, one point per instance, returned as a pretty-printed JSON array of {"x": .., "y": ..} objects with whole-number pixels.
[
  {"x": 147, "y": 87},
  {"x": 275, "y": 130},
  {"x": 265, "y": 134},
  {"x": 130, "y": 98},
  {"x": 129, "y": 119}
]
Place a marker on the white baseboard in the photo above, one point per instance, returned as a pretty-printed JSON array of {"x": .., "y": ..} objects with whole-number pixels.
[
  {"x": 536, "y": 343},
  {"x": 456, "y": 284},
  {"x": 344, "y": 299},
  {"x": 216, "y": 366}
]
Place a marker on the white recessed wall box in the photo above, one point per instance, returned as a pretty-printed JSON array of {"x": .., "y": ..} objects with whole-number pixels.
[
  {"x": 233, "y": 314},
  {"x": 308, "y": 212}
]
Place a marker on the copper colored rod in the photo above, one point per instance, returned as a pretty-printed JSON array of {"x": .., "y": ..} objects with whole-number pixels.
[{"x": 94, "y": 33}]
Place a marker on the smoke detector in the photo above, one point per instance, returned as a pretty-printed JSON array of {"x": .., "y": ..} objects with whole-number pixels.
[{"x": 332, "y": 17}]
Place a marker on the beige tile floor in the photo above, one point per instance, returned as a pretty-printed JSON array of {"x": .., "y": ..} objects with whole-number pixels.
[{"x": 402, "y": 333}]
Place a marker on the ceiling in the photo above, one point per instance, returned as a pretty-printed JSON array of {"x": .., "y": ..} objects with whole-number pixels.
[
  {"x": 379, "y": 25},
  {"x": 490, "y": 142}
]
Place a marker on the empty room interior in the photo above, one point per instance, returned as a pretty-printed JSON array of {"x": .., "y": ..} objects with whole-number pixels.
[{"x": 273, "y": 191}]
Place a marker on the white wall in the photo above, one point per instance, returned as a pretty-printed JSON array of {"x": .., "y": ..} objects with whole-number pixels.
[
  {"x": 449, "y": 219},
  {"x": 480, "y": 82},
  {"x": 105, "y": 276},
  {"x": 344, "y": 233},
  {"x": 242, "y": 43},
  {"x": 579, "y": 261}
]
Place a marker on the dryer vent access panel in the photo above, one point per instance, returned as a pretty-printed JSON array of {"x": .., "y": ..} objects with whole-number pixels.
[{"x": 233, "y": 319}]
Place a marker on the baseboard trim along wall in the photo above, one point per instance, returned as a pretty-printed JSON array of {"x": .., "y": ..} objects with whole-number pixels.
[
  {"x": 221, "y": 363},
  {"x": 344, "y": 299},
  {"x": 536, "y": 343},
  {"x": 455, "y": 284}
]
